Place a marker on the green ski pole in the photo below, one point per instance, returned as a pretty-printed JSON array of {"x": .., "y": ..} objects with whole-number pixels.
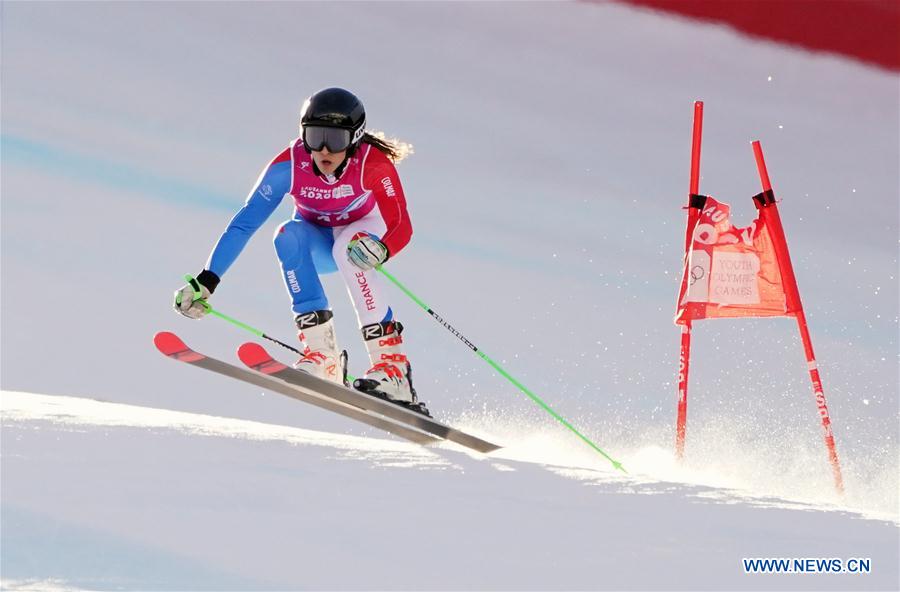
[
  {"x": 247, "y": 327},
  {"x": 257, "y": 332},
  {"x": 499, "y": 369},
  {"x": 197, "y": 298}
]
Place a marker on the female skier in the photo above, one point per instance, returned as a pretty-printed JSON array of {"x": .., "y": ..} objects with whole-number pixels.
[{"x": 350, "y": 217}]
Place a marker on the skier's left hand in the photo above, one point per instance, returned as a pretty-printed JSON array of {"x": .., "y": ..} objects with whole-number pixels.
[{"x": 366, "y": 252}]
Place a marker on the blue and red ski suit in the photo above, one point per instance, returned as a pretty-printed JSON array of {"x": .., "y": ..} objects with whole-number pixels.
[{"x": 365, "y": 195}]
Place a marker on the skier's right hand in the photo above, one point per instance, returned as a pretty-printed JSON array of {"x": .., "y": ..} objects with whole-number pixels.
[{"x": 190, "y": 299}]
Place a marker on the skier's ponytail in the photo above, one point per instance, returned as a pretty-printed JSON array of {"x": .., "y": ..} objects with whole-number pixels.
[{"x": 393, "y": 148}]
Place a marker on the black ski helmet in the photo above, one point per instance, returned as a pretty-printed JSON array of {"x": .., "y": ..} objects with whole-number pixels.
[{"x": 335, "y": 107}]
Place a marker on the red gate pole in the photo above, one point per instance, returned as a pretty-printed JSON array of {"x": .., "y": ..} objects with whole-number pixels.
[
  {"x": 694, "y": 207},
  {"x": 765, "y": 202}
]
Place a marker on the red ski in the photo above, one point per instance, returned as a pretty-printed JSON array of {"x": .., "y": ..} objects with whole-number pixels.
[
  {"x": 255, "y": 356},
  {"x": 172, "y": 346}
]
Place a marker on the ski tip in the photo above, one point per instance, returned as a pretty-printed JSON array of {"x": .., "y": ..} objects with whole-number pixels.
[
  {"x": 252, "y": 353},
  {"x": 256, "y": 356},
  {"x": 168, "y": 343}
]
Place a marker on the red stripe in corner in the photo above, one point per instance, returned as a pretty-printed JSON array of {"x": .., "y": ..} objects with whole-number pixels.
[{"x": 868, "y": 30}]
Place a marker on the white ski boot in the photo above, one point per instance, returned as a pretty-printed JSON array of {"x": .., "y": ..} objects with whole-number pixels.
[
  {"x": 390, "y": 376},
  {"x": 321, "y": 356}
]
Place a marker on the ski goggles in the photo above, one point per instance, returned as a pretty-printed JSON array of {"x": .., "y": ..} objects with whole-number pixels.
[{"x": 337, "y": 139}]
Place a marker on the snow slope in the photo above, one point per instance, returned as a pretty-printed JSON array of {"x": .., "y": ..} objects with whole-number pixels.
[
  {"x": 546, "y": 190},
  {"x": 105, "y": 495}
]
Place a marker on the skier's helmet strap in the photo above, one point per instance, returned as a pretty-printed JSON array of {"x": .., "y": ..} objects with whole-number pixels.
[{"x": 337, "y": 108}]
